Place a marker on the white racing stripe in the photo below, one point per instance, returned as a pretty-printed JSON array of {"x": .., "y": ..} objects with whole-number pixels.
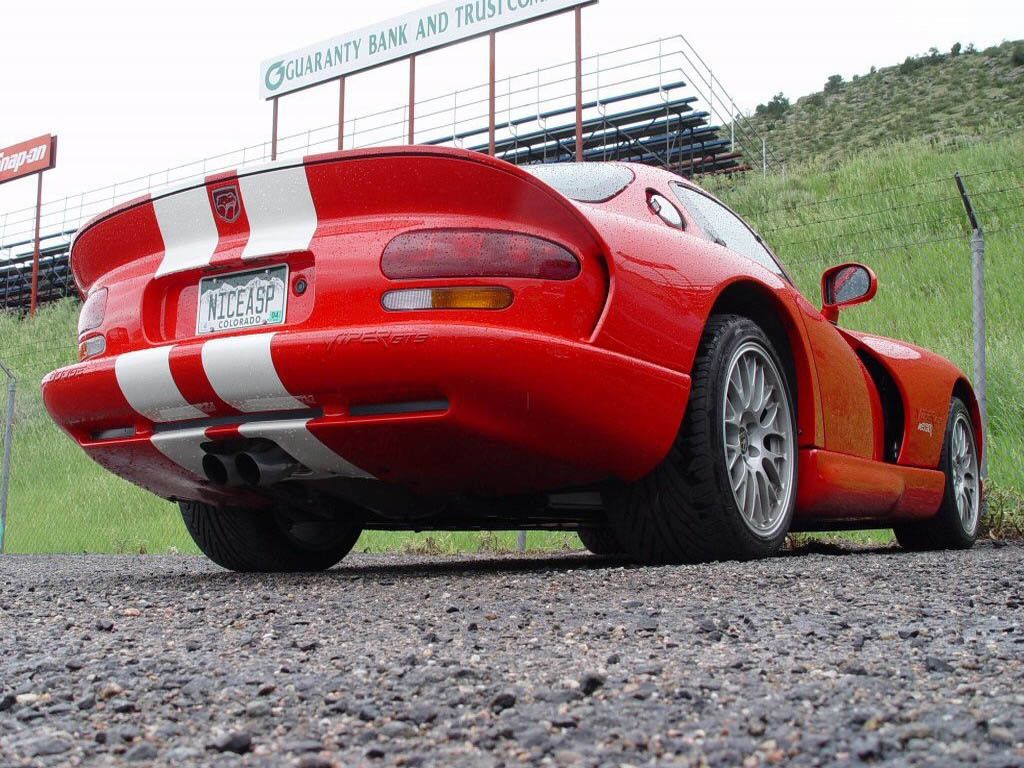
[
  {"x": 183, "y": 447},
  {"x": 188, "y": 230},
  {"x": 280, "y": 210},
  {"x": 146, "y": 383},
  {"x": 297, "y": 441},
  {"x": 241, "y": 372}
]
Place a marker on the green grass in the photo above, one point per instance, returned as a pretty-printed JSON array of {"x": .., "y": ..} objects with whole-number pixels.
[{"x": 62, "y": 502}]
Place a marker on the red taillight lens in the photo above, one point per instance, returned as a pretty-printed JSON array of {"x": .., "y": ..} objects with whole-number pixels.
[
  {"x": 428, "y": 253},
  {"x": 93, "y": 310}
]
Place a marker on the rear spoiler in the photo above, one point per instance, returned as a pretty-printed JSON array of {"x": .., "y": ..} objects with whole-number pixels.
[{"x": 285, "y": 203}]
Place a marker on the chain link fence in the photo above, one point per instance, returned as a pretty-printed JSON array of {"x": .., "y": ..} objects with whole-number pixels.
[{"x": 898, "y": 210}]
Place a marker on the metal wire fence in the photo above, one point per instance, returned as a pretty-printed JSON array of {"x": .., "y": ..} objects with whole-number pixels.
[{"x": 900, "y": 213}]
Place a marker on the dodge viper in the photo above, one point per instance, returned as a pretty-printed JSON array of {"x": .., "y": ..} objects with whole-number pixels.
[{"x": 429, "y": 338}]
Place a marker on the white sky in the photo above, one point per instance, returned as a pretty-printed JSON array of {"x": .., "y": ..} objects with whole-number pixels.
[{"x": 132, "y": 87}]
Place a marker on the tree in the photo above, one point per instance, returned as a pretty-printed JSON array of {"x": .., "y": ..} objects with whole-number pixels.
[
  {"x": 833, "y": 83},
  {"x": 911, "y": 64},
  {"x": 955, "y": 50},
  {"x": 774, "y": 109}
]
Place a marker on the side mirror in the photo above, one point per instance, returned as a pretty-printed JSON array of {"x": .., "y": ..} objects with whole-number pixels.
[{"x": 844, "y": 286}]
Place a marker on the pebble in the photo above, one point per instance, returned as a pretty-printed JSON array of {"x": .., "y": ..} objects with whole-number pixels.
[{"x": 811, "y": 658}]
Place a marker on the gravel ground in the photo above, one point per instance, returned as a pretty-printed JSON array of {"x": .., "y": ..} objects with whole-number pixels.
[{"x": 811, "y": 658}]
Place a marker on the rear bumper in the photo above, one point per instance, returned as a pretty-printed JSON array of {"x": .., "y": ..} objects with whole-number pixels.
[{"x": 434, "y": 408}]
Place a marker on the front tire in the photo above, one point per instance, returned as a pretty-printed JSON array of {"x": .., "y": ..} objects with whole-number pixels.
[
  {"x": 955, "y": 525},
  {"x": 267, "y": 540},
  {"x": 727, "y": 488}
]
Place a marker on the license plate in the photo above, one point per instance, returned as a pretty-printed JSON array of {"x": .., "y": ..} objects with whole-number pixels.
[{"x": 242, "y": 300}]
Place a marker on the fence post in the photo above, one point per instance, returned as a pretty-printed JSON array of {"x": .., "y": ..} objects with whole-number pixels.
[
  {"x": 978, "y": 314},
  {"x": 5, "y": 473},
  {"x": 521, "y": 541}
]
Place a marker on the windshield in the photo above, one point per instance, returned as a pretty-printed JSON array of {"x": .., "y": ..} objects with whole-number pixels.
[{"x": 584, "y": 182}]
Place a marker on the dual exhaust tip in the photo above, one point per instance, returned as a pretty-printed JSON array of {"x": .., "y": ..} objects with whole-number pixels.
[{"x": 256, "y": 468}]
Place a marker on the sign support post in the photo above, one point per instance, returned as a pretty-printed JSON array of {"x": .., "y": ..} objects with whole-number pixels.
[
  {"x": 490, "y": 101},
  {"x": 273, "y": 132},
  {"x": 341, "y": 113},
  {"x": 412, "y": 99},
  {"x": 35, "y": 248},
  {"x": 579, "y": 84}
]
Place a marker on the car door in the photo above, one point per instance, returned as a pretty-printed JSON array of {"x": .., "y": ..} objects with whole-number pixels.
[{"x": 843, "y": 381}]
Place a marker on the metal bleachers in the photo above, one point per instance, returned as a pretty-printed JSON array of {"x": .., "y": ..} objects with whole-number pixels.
[
  {"x": 55, "y": 279},
  {"x": 668, "y": 133},
  {"x": 656, "y": 103}
]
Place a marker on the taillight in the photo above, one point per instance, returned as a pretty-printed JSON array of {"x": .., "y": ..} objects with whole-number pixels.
[
  {"x": 429, "y": 253},
  {"x": 93, "y": 310}
]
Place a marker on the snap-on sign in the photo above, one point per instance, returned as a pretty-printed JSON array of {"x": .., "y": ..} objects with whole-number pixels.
[{"x": 28, "y": 157}]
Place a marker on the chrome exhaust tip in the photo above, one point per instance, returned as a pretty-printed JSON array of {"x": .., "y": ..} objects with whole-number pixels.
[
  {"x": 221, "y": 470},
  {"x": 265, "y": 468}
]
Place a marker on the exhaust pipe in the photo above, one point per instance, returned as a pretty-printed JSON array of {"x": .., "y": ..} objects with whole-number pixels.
[
  {"x": 221, "y": 470},
  {"x": 264, "y": 468}
]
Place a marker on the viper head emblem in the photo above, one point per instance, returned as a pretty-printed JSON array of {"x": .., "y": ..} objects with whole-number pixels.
[{"x": 227, "y": 203}]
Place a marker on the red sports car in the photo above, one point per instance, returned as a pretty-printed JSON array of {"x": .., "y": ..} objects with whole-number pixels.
[{"x": 424, "y": 338}]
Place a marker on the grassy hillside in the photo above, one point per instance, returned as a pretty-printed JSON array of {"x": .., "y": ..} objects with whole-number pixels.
[
  {"x": 936, "y": 95},
  {"x": 895, "y": 209}
]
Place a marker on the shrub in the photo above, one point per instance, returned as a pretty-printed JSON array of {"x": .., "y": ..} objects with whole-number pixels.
[
  {"x": 833, "y": 83},
  {"x": 910, "y": 64},
  {"x": 774, "y": 109},
  {"x": 1017, "y": 57},
  {"x": 955, "y": 50}
]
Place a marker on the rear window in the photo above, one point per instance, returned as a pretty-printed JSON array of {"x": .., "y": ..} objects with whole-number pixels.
[{"x": 584, "y": 182}]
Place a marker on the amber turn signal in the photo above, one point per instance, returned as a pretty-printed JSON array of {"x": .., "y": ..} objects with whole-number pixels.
[{"x": 456, "y": 297}]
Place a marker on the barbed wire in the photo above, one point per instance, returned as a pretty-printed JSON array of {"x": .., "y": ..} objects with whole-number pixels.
[
  {"x": 888, "y": 247},
  {"x": 864, "y": 214},
  {"x": 833, "y": 200},
  {"x": 881, "y": 191},
  {"x": 960, "y": 222},
  {"x": 890, "y": 209},
  {"x": 872, "y": 230}
]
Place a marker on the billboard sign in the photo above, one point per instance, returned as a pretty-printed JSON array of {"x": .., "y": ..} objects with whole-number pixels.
[
  {"x": 28, "y": 157},
  {"x": 423, "y": 30}
]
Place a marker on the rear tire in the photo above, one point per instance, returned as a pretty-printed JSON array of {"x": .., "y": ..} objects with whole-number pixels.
[
  {"x": 955, "y": 525},
  {"x": 727, "y": 488},
  {"x": 267, "y": 540},
  {"x": 601, "y": 540}
]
